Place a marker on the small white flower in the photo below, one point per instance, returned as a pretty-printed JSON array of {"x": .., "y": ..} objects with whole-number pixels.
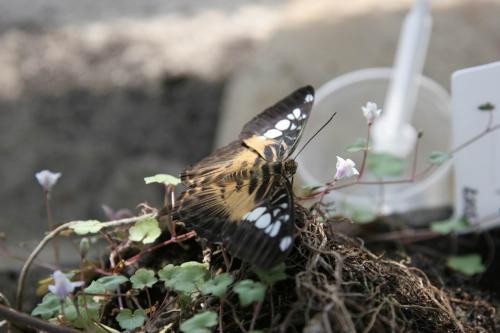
[
  {"x": 345, "y": 168},
  {"x": 62, "y": 286},
  {"x": 371, "y": 112},
  {"x": 47, "y": 179}
]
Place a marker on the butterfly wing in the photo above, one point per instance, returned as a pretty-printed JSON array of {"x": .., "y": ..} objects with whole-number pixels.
[
  {"x": 275, "y": 132},
  {"x": 257, "y": 231}
]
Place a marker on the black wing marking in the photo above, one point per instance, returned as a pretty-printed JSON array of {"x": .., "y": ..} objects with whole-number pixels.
[
  {"x": 264, "y": 236},
  {"x": 280, "y": 125}
]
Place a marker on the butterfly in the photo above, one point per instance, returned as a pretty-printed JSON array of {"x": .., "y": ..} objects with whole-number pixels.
[{"x": 241, "y": 195}]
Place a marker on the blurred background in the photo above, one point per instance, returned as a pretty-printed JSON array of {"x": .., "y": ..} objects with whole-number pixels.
[{"x": 108, "y": 92}]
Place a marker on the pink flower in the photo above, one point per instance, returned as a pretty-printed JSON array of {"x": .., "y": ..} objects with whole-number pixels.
[
  {"x": 345, "y": 168},
  {"x": 47, "y": 179}
]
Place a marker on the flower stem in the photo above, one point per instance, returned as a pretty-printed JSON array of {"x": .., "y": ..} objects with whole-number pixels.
[
  {"x": 50, "y": 223},
  {"x": 365, "y": 152}
]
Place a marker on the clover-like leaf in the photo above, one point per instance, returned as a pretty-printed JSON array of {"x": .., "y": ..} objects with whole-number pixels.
[
  {"x": 358, "y": 145},
  {"x": 439, "y": 157},
  {"x": 450, "y": 225},
  {"x": 273, "y": 275},
  {"x": 87, "y": 227},
  {"x": 129, "y": 320},
  {"x": 146, "y": 231},
  {"x": 385, "y": 165},
  {"x": 111, "y": 282},
  {"x": 218, "y": 285},
  {"x": 186, "y": 278},
  {"x": 143, "y": 278},
  {"x": 162, "y": 179},
  {"x": 250, "y": 291},
  {"x": 486, "y": 107},
  {"x": 200, "y": 323},
  {"x": 88, "y": 312},
  {"x": 468, "y": 264}
]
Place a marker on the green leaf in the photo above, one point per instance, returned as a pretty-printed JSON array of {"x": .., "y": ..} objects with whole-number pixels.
[
  {"x": 200, "y": 323},
  {"x": 163, "y": 179},
  {"x": 89, "y": 312},
  {"x": 95, "y": 288},
  {"x": 129, "y": 321},
  {"x": 468, "y": 265},
  {"x": 486, "y": 107},
  {"x": 143, "y": 278},
  {"x": 111, "y": 283},
  {"x": 87, "y": 227},
  {"x": 218, "y": 285},
  {"x": 250, "y": 291},
  {"x": 273, "y": 275},
  {"x": 450, "y": 225},
  {"x": 186, "y": 278},
  {"x": 146, "y": 231},
  {"x": 48, "y": 308},
  {"x": 359, "y": 145},
  {"x": 439, "y": 157},
  {"x": 385, "y": 165}
]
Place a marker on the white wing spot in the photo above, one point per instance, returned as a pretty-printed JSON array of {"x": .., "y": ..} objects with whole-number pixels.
[
  {"x": 285, "y": 243},
  {"x": 273, "y": 229},
  {"x": 282, "y": 124},
  {"x": 276, "y": 211},
  {"x": 255, "y": 214},
  {"x": 285, "y": 217},
  {"x": 290, "y": 116},
  {"x": 293, "y": 127},
  {"x": 272, "y": 133},
  {"x": 296, "y": 113},
  {"x": 309, "y": 98},
  {"x": 263, "y": 221},
  {"x": 284, "y": 205},
  {"x": 304, "y": 116}
]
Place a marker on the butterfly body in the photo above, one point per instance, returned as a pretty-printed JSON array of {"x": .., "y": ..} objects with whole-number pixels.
[{"x": 241, "y": 195}]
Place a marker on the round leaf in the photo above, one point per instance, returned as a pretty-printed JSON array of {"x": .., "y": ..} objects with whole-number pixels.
[
  {"x": 468, "y": 265},
  {"x": 385, "y": 165},
  {"x": 146, "y": 231},
  {"x": 162, "y": 179},
  {"x": 143, "y": 278},
  {"x": 218, "y": 285},
  {"x": 186, "y": 278},
  {"x": 439, "y": 157},
  {"x": 87, "y": 227},
  {"x": 111, "y": 283},
  {"x": 129, "y": 321},
  {"x": 200, "y": 323},
  {"x": 250, "y": 291}
]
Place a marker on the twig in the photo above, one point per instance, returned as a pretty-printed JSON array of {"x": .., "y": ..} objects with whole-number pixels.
[
  {"x": 54, "y": 233},
  {"x": 33, "y": 322}
]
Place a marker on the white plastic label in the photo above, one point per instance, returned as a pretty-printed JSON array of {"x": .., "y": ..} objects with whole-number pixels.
[{"x": 476, "y": 107}]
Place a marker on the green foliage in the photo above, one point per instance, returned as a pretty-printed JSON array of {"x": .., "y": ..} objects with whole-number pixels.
[
  {"x": 451, "y": 225},
  {"x": 200, "y": 323},
  {"x": 250, "y": 291},
  {"x": 88, "y": 312},
  {"x": 468, "y": 265},
  {"x": 111, "y": 282},
  {"x": 486, "y": 107},
  {"x": 87, "y": 227},
  {"x": 218, "y": 285},
  {"x": 143, "y": 278},
  {"x": 146, "y": 231},
  {"x": 49, "y": 307},
  {"x": 273, "y": 275},
  {"x": 439, "y": 157},
  {"x": 95, "y": 288},
  {"x": 186, "y": 278},
  {"x": 129, "y": 320},
  {"x": 359, "y": 145},
  {"x": 162, "y": 179},
  {"x": 385, "y": 165}
]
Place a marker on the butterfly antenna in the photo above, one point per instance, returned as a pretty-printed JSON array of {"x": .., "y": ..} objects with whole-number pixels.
[{"x": 315, "y": 134}]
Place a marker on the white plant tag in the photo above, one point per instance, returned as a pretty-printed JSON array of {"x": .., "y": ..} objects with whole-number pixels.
[{"x": 476, "y": 105}]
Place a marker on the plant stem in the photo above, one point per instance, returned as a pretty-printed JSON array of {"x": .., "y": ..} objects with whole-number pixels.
[
  {"x": 256, "y": 311},
  {"x": 54, "y": 233},
  {"x": 50, "y": 223},
  {"x": 365, "y": 152}
]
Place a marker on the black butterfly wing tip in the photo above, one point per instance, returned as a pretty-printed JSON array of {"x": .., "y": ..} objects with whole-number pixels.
[{"x": 306, "y": 90}]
